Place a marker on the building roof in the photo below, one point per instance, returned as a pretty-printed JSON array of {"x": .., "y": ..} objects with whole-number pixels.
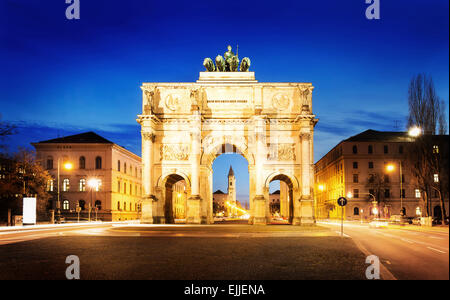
[
  {"x": 380, "y": 136},
  {"x": 231, "y": 172},
  {"x": 218, "y": 192},
  {"x": 82, "y": 138}
]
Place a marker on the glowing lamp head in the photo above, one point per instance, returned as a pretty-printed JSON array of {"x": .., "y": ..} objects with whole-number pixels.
[
  {"x": 375, "y": 211},
  {"x": 93, "y": 183},
  {"x": 390, "y": 168},
  {"x": 349, "y": 195},
  {"x": 414, "y": 131},
  {"x": 321, "y": 187},
  {"x": 68, "y": 166}
]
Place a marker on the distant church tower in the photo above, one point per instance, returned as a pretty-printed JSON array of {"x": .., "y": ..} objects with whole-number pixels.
[{"x": 231, "y": 187}]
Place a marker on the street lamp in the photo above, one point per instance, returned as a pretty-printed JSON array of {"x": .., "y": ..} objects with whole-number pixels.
[
  {"x": 93, "y": 184},
  {"x": 390, "y": 168},
  {"x": 414, "y": 131},
  {"x": 374, "y": 202},
  {"x": 67, "y": 166}
]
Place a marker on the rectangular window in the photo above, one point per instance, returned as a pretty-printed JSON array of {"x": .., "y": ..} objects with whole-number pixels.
[
  {"x": 370, "y": 149},
  {"x": 355, "y": 149},
  {"x": 386, "y": 178},
  {"x": 417, "y": 193},
  {"x": 403, "y": 178},
  {"x": 82, "y": 185},
  {"x": 403, "y": 193},
  {"x": 435, "y": 149},
  {"x": 370, "y": 164},
  {"x": 387, "y": 193},
  {"x": 356, "y": 193},
  {"x": 400, "y": 149},
  {"x": 355, "y": 178},
  {"x": 50, "y": 185},
  {"x": 355, "y": 165},
  {"x": 436, "y": 177},
  {"x": 386, "y": 150},
  {"x": 118, "y": 186}
]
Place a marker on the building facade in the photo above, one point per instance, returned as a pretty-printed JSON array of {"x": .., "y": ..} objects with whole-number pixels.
[
  {"x": 224, "y": 202},
  {"x": 93, "y": 173},
  {"x": 370, "y": 170},
  {"x": 185, "y": 126}
]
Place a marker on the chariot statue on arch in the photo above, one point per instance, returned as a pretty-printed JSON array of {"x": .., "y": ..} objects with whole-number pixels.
[{"x": 229, "y": 62}]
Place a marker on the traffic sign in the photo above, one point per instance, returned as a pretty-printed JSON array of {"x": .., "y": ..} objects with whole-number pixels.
[{"x": 342, "y": 201}]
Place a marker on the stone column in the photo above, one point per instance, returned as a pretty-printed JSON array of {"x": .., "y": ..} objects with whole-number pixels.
[
  {"x": 259, "y": 202},
  {"x": 306, "y": 216},
  {"x": 194, "y": 201},
  {"x": 147, "y": 153}
]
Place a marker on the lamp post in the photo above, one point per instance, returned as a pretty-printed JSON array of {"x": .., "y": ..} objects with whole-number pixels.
[
  {"x": 68, "y": 166},
  {"x": 390, "y": 168},
  {"x": 93, "y": 184}
]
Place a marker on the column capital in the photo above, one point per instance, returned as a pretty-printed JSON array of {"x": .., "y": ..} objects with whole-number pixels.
[{"x": 148, "y": 136}]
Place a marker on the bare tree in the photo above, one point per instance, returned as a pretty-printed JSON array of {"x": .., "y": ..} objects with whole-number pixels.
[{"x": 426, "y": 109}]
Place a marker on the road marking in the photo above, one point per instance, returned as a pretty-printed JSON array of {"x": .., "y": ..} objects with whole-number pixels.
[
  {"x": 346, "y": 235},
  {"x": 437, "y": 250},
  {"x": 435, "y": 237}
]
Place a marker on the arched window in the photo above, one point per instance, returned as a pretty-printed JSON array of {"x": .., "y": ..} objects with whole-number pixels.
[
  {"x": 118, "y": 165},
  {"x": 82, "y": 162},
  {"x": 98, "y": 162},
  {"x": 66, "y": 185},
  {"x": 50, "y": 163},
  {"x": 98, "y": 204},
  {"x": 81, "y": 204},
  {"x": 82, "y": 185},
  {"x": 356, "y": 211},
  {"x": 66, "y": 205}
]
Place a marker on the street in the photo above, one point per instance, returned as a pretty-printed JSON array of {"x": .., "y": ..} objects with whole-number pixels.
[
  {"x": 416, "y": 253},
  {"x": 219, "y": 252}
]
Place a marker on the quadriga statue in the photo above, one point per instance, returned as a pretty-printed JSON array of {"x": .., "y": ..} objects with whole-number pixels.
[
  {"x": 220, "y": 63},
  {"x": 209, "y": 65},
  {"x": 245, "y": 64}
]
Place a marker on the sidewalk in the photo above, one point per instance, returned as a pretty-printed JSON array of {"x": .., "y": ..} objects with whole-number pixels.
[{"x": 64, "y": 225}]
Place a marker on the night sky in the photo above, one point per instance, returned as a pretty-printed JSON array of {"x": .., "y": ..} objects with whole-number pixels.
[{"x": 61, "y": 77}]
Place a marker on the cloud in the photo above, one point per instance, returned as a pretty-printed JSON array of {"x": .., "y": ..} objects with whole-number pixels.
[{"x": 125, "y": 135}]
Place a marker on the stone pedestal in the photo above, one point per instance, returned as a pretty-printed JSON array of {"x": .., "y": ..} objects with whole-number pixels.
[
  {"x": 307, "y": 212},
  {"x": 259, "y": 217},
  {"x": 193, "y": 211},
  {"x": 147, "y": 211}
]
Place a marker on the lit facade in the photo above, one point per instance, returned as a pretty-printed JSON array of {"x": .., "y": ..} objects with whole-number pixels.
[
  {"x": 367, "y": 166},
  {"x": 102, "y": 175}
]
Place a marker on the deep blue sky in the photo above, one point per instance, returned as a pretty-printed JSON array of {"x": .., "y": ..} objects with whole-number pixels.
[{"x": 62, "y": 76}]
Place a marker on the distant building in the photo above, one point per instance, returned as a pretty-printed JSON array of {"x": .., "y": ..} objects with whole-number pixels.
[
  {"x": 358, "y": 165},
  {"x": 104, "y": 176},
  {"x": 274, "y": 202},
  {"x": 223, "y": 201}
]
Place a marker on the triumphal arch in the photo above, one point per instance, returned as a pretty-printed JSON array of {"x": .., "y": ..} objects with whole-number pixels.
[{"x": 185, "y": 126}]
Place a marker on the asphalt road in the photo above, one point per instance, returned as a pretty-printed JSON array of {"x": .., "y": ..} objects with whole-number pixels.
[
  {"x": 410, "y": 254},
  {"x": 133, "y": 251},
  {"x": 216, "y": 252}
]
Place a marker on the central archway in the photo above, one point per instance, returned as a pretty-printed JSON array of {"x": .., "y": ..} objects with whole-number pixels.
[{"x": 230, "y": 185}]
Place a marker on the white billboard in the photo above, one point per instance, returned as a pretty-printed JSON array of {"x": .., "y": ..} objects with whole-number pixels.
[{"x": 29, "y": 210}]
